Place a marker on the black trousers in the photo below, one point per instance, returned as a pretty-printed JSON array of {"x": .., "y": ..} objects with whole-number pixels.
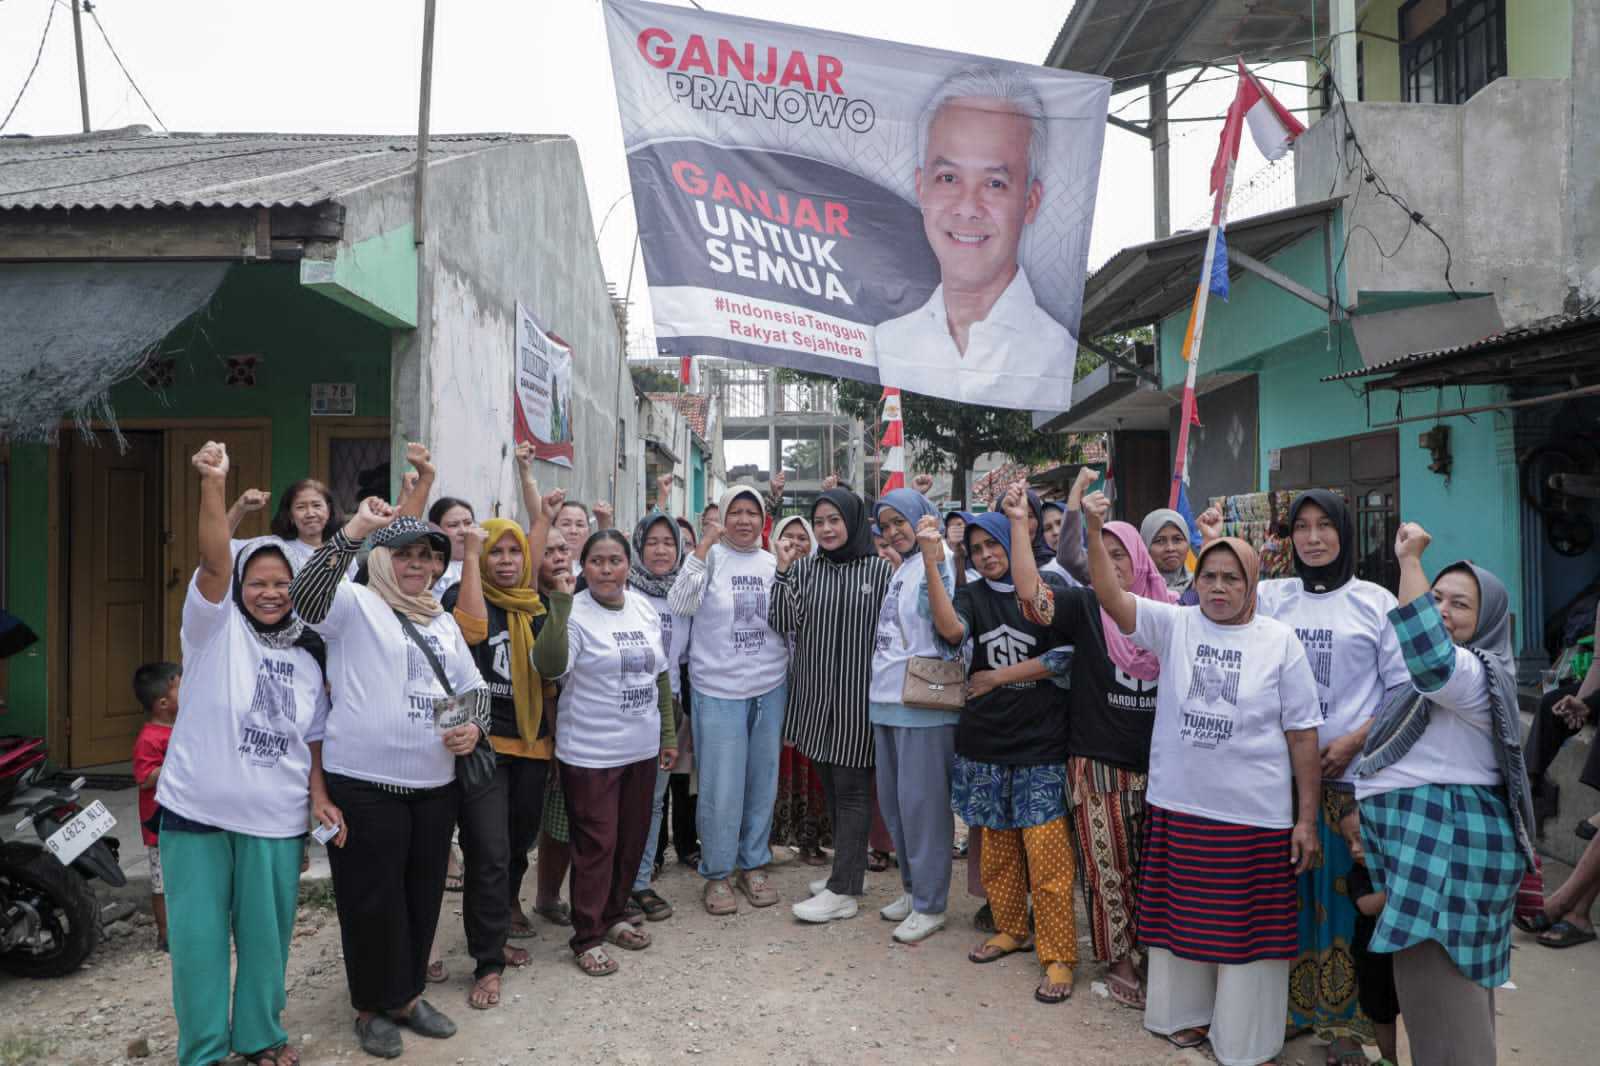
[
  {"x": 525, "y": 781},
  {"x": 388, "y": 883},
  {"x": 848, "y": 793},
  {"x": 1547, "y": 735},
  {"x": 484, "y": 820},
  {"x": 677, "y": 820}
]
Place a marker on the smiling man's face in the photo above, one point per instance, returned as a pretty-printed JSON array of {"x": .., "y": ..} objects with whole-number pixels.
[{"x": 975, "y": 192}]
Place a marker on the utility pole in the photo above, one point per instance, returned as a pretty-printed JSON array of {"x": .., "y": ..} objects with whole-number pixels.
[
  {"x": 422, "y": 123},
  {"x": 83, "y": 78}
]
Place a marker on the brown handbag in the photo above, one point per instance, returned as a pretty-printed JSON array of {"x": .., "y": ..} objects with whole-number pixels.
[{"x": 935, "y": 684}]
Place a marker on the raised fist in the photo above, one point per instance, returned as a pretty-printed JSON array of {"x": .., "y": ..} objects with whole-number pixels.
[
  {"x": 551, "y": 503},
  {"x": 474, "y": 537},
  {"x": 1411, "y": 541},
  {"x": 923, "y": 483},
  {"x": 418, "y": 456},
  {"x": 212, "y": 461},
  {"x": 1096, "y": 509},
  {"x": 254, "y": 499},
  {"x": 929, "y": 535},
  {"x": 1015, "y": 502},
  {"x": 604, "y": 514},
  {"x": 1210, "y": 523},
  {"x": 373, "y": 514}
]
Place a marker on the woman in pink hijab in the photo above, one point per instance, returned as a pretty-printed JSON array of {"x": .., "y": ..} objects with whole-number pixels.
[{"x": 1113, "y": 702}]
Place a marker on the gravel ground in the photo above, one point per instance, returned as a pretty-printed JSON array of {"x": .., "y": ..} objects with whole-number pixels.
[{"x": 758, "y": 987}]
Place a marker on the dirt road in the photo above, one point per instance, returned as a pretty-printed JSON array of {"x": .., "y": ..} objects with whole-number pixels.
[{"x": 756, "y": 988}]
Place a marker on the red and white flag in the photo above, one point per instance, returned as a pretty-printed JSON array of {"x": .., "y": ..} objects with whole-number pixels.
[
  {"x": 894, "y": 460},
  {"x": 1272, "y": 127}
]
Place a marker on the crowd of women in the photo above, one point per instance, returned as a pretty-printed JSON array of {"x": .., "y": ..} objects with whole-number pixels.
[{"x": 1289, "y": 805}]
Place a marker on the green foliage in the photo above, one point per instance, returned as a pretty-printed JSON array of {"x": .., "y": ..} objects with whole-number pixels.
[
  {"x": 24, "y": 1049},
  {"x": 649, "y": 379}
]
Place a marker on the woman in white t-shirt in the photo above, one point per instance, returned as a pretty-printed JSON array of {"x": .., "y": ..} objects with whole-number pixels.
[
  {"x": 232, "y": 795},
  {"x": 737, "y": 669},
  {"x": 914, "y": 748},
  {"x": 1343, "y": 624},
  {"x": 385, "y": 771},
  {"x": 1234, "y": 776},
  {"x": 455, "y": 517},
  {"x": 1446, "y": 810},
  {"x": 615, "y": 737}
]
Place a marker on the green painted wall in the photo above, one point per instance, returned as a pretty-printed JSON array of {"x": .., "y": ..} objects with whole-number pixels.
[
  {"x": 697, "y": 483},
  {"x": 376, "y": 277},
  {"x": 1539, "y": 38},
  {"x": 261, "y": 309}
]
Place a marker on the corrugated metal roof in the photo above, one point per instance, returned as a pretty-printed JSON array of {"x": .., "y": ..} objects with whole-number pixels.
[
  {"x": 134, "y": 167},
  {"x": 1505, "y": 338}
]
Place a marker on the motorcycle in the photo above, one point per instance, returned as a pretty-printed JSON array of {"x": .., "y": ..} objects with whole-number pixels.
[{"x": 49, "y": 919}]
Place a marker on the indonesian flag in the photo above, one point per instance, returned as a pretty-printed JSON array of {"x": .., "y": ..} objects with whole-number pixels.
[
  {"x": 894, "y": 463},
  {"x": 1272, "y": 127},
  {"x": 685, "y": 369}
]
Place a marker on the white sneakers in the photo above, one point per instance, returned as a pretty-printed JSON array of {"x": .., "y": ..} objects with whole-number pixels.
[
  {"x": 825, "y": 906},
  {"x": 918, "y": 926},
  {"x": 898, "y": 911},
  {"x": 819, "y": 886}
]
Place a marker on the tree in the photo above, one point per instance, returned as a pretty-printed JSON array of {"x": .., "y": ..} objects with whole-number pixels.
[{"x": 650, "y": 379}]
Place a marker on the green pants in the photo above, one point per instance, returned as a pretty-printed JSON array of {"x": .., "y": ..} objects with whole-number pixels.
[{"x": 222, "y": 885}]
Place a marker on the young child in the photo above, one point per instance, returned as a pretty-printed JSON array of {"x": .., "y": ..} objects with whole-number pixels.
[
  {"x": 1374, "y": 972},
  {"x": 155, "y": 685}
]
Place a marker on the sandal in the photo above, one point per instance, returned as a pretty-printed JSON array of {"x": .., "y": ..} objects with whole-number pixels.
[
  {"x": 521, "y": 927},
  {"x": 719, "y": 899},
  {"x": 998, "y": 947},
  {"x": 595, "y": 962},
  {"x": 282, "y": 1055},
  {"x": 437, "y": 974},
  {"x": 1056, "y": 984},
  {"x": 557, "y": 913},
  {"x": 516, "y": 957},
  {"x": 455, "y": 877},
  {"x": 1126, "y": 992},
  {"x": 1536, "y": 924},
  {"x": 1564, "y": 934},
  {"x": 627, "y": 937},
  {"x": 654, "y": 907},
  {"x": 482, "y": 996},
  {"x": 1187, "y": 1038}
]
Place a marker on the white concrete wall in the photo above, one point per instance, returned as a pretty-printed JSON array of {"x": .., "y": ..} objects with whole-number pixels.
[
  {"x": 1490, "y": 175},
  {"x": 507, "y": 224}
]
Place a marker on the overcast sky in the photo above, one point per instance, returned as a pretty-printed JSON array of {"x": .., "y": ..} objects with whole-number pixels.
[{"x": 526, "y": 66}]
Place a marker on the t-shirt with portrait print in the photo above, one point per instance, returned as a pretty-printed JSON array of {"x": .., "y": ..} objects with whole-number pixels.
[
  {"x": 240, "y": 758},
  {"x": 610, "y": 711},
  {"x": 1225, "y": 698}
]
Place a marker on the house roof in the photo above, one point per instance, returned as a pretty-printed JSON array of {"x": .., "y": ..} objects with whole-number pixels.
[
  {"x": 133, "y": 167},
  {"x": 1147, "y": 282},
  {"x": 1556, "y": 350},
  {"x": 1129, "y": 40},
  {"x": 693, "y": 405}
]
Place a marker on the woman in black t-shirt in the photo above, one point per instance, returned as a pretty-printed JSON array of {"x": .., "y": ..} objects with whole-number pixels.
[
  {"x": 1108, "y": 739},
  {"x": 1011, "y": 748}
]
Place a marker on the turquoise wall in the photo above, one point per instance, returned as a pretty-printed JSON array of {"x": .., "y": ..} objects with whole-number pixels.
[
  {"x": 697, "y": 483},
  {"x": 262, "y": 309}
]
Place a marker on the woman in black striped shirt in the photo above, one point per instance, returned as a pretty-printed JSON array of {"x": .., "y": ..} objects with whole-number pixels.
[{"x": 829, "y": 603}]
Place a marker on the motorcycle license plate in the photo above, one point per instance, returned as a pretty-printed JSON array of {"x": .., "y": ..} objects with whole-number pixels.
[{"x": 74, "y": 838}]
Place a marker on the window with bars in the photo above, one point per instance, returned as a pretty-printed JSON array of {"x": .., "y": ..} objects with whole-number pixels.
[{"x": 1450, "y": 49}]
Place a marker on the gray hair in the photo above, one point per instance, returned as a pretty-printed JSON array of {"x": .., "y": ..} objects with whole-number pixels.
[{"x": 996, "y": 82}]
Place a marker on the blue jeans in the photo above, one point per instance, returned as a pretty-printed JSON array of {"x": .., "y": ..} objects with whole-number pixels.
[
  {"x": 647, "y": 864},
  {"x": 736, "y": 747}
]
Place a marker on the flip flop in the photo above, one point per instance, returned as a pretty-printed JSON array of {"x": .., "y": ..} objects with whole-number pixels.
[
  {"x": 1535, "y": 925},
  {"x": 595, "y": 962},
  {"x": 1126, "y": 992},
  {"x": 492, "y": 999},
  {"x": 1199, "y": 1035},
  {"x": 1056, "y": 975},
  {"x": 1564, "y": 934},
  {"x": 516, "y": 957},
  {"x": 998, "y": 947}
]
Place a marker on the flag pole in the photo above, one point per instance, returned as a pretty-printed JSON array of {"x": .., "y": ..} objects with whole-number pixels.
[{"x": 1191, "y": 353}]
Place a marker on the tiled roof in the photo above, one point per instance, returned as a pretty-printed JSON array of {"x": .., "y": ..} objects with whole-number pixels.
[
  {"x": 694, "y": 406},
  {"x": 1537, "y": 328},
  {"x": 133, "y": 167}
]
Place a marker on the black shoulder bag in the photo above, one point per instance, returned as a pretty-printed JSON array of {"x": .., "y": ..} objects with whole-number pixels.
[{"x": 475, "y": 770}]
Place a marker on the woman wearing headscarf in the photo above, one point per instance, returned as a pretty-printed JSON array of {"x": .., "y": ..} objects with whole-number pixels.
[
  {"x": 517, "y": 643},
  {"x": 914, "y": 748},
  {"x": 1446, "y": 811},
  {"x": 1009, "y": 775},
  {"x": 657, "y": 557},
  {"x": 737, "y": 668},
  {"x": 615, "y": 737},
  {"x": 1343, "y": 624},
  {"x": 799, "y": 818},
  {"x": 1232, "y": 795},
  {"x": 827, "y": 603},
  {"x": 1166, "y": 534},
  {"x": 385, "y": 772},
  {"x": 233, "y": 792},
  {"x": 1113, "y": 709}
]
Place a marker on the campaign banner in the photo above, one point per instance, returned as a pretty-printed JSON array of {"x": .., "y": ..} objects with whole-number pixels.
[
  {"x": 543, "y": 408},
  {"x": 871, "y": 210}
]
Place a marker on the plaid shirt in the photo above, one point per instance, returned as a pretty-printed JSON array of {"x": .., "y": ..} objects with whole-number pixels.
[{"x": 1429, "y": 652}]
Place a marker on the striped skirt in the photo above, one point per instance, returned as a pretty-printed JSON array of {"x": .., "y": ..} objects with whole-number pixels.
[{"x": 1216, "y": 892}]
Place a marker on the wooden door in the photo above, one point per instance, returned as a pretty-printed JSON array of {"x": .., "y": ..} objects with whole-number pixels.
[
  {"x": 114, "y": 529},
  {"x": 249, "y": 467}
]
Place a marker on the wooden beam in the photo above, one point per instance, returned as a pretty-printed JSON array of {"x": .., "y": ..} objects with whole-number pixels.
[
  {"x": 1132, "y": 127},
  {"x": 1281, "y": 280},
  {"x": 202, "y": 233},
  {"x": 1570, "y": 394}
]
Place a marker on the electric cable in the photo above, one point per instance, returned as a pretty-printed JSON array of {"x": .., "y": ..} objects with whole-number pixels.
[
  {"x": 43, "y": 37},
  {"x": 89, "y": 7}
]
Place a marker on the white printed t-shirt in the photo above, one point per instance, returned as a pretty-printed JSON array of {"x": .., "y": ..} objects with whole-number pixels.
[
  {"x": 1353, "y": 651},
  {"x": 905, "y": 630},
  {"x": 675, "y": 630},
  {"x": 381, "y": 726},
  {"x": 1457, "y": 748},
  {"x": 1225, "y": 698},
  {"x": 609, "y": 712},
  {"x": 733, "y": 653},
  {"x": 240, "y": 758}
]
